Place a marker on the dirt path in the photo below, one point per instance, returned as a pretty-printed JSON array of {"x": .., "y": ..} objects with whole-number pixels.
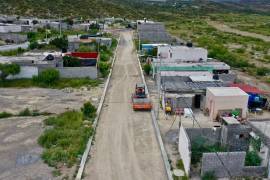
[
  {"x": 225, "y": 28},
  {"x": 125, "y": 144}
]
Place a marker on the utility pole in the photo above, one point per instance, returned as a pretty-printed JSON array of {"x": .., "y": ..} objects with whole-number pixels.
[
  {"x": 60, "y": 27},
  {"x": 159, "y": 86}
]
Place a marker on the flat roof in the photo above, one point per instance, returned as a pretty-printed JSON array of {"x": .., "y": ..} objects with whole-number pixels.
[
  {"x": 186, "y": 73},
  {"x": 226, "y": 91},
  {"x": 230, "y": 120},
  {"x": 179, "y": 63},
  {"x": 201, "y": 78}
]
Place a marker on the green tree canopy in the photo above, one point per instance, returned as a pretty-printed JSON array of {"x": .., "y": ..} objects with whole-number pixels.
[{"x": 8, "y": 69}]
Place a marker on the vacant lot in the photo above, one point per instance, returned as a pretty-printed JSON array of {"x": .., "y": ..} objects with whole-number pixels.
[
  {"x": 19, "y": 151},
  {"x": 46, "y": 100}
]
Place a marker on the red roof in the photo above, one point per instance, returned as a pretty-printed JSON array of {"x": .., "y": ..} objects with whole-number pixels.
[
  {"x": 249, "y": 89},
  {"x": 85, "y": 55}
]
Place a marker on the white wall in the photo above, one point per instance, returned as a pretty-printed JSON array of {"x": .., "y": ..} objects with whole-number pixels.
[
  {"x": 10, "y": 28},
  {"x": 183, "y": 53},
  {"x": 184, "y": 149},
  {"x": 26, "y": 72}
]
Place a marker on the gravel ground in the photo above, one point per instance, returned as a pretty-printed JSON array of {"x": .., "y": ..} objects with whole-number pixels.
[{"x": 19, "y": 151}]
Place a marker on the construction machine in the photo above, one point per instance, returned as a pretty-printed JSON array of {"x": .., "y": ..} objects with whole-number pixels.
[{"x": 140, "y": 100}]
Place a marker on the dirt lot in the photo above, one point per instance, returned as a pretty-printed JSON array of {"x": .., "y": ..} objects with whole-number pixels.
[
  {"x": 46, "y": 100},
  {"x": 19, "y": 151}
]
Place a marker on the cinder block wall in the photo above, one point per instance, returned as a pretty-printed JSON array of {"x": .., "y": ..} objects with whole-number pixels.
[
  {"x": 233, "y": 161},
  {"x": 209, "y": 134},
  {"x": 78, "y": 72}
]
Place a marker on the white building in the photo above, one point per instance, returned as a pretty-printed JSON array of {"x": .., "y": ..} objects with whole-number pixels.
[
  {"x": 182, "y": 53},
  {"x": 10, "y": 28}
]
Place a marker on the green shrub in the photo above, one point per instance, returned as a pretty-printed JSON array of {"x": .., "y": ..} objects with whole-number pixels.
[
  {"x": 209, "y": 176},
  {"x": 147, "y": 68},
  {"x": 5, "y": 114},
  {"x": 25, "y": 112},
  {"x": 252, "y": 159},
  {"x": 9, "y": 69},
  {"x": 34, "y": 45},
  {"x": 200, "y": 146},
  {"x": 104, "y": 68},
  {"x": 47, "y": 77},
  {"x": 262, "y": 71},
  {"x": 88, "y": 110},
  {"x": 104, "y": 56}
]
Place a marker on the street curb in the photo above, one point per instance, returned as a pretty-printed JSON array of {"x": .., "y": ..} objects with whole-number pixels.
[
  {"x": 157, "y": 130},
  {"x": 89, "y": 143}
]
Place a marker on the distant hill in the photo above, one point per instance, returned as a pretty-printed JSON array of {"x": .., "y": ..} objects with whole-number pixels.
[{"x": 127, "y": 8}]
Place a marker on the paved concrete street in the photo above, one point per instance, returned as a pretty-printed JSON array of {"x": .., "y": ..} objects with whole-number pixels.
[{"x": 125, "y": 144}]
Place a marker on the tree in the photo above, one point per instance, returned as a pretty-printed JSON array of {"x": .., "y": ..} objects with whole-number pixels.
[
  {"x": 31, "y": 36},
  {"x": 33, "y": 45},
  {"x": 60, "y": 42},
  {"x": 47, "y": 77},
  {"x": 8, "y": 69}
]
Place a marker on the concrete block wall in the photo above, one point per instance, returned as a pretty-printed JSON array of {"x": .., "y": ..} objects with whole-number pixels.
[
  {"x": 235, "y": 137},
  {"x": 78, "y": 72},
  {"x": 233, "y": 161},
  {"x": 209, "y": 134},
  {"x": 254, "y": 171},
  {"x": 226, "y": 164}
]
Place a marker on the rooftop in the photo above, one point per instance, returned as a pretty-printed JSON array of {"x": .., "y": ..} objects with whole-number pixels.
[
  {"x": 84, "y": 55},
  {"x": 201, "y": 78},
  {"x": 226, "y": 91},
  {"x": 249, "y": 89},
  {"x": 230, "y": 120}
]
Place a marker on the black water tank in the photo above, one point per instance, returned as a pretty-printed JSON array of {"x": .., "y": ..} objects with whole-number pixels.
[
  {"x": 189, "y": 44},
  {"x": 215, "y": 77},
  {"x": 50, "y": 57}
]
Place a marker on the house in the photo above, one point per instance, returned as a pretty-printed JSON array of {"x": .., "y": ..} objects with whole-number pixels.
[
  {"x": 81, "y": 26},
  {"x": 187, "y": 90},
  {"x": 10, "y": 28},
  {"x": 226, "y": 101},
  {"x": 13, "y": 38},
  {"x": 215, "y": 67},
  {"x": 182, "y": 53},
  {"x": 31, "y": 65}
]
